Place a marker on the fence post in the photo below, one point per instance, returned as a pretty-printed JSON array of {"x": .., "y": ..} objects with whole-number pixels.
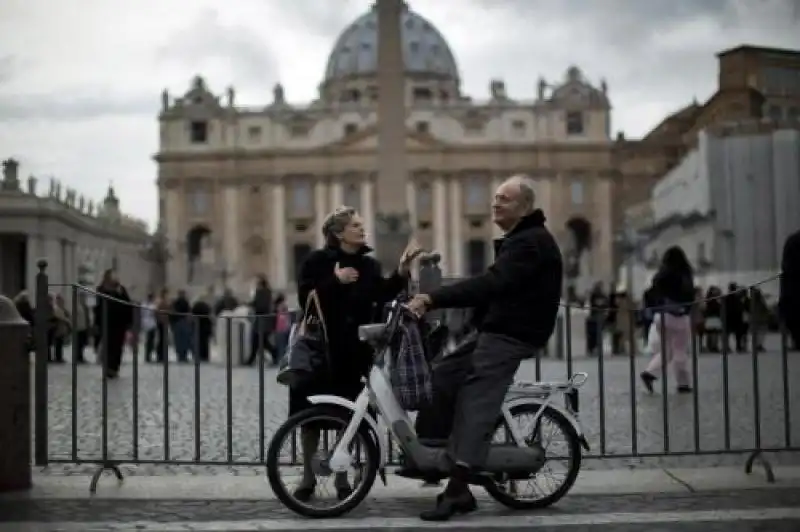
[
  {"x": 15, "y": 400},
  {"x": 41, "y": 324}
]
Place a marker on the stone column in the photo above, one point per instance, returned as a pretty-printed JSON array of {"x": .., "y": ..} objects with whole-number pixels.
[
  {"x": 544, "y": 200},
  {"x": 368, "y": 207},
  {"x": 70, "y": 271},
  {"x": 279, "y": 246},
  {"x": 392, "y": 212},
  {"x": 440, "y": 222},
  {"x": 496, "y": 231},
  {"x": 411, "y": 204},
  {"x": 456, "y": 234},
  {"x": 175, "y": 241},
  {"x": 35, "y": 251},
  {"x": 320, "y": 209},
  {"x": 337, "y": 193},
  {"x": 602, "y": 237},
  {"x": 231, "y": 238}
]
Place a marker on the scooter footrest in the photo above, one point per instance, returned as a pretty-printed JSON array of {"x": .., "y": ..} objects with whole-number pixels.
[{"x": 433, "y": 442}]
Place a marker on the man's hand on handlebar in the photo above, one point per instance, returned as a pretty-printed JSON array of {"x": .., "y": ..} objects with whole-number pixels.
[{"x": 419, "y": 304}]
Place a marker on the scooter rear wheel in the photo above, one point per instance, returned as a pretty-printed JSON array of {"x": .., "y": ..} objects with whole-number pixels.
[
  {"x": 506, "y": 492},
  {"x": 323, "y": 416}
]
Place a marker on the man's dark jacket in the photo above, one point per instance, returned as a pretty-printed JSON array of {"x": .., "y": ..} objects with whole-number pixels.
[{"x": 520, "y": 293}]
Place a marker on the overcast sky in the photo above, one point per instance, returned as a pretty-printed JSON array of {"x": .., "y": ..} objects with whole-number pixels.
[{"x": 80, "y": 80}]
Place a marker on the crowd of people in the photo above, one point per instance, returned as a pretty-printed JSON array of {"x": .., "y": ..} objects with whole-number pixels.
[
  {"x": 716, "y": 318},
  {"x": 161, "y": 321}
]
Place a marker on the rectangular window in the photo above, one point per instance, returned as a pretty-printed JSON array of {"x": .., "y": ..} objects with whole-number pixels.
[
  {"x": 422, "y": 127},
  {"x": 424, "y": 199},
  {"x": 301, "y": 196},
  {"x": 422, "y": 94},
  {"x": 298, "y": 130},
  {"x": 476, "y": 257},
  {"x": 254, "y": 133},
  {"x": 299, "y": 254},
  {"x": 352, "y": 196},
  {"x": 477, "y": 196},
  {"x": 349, "y": 129},
  {"x": 576, "y": 192},
  {"x": 199, "y": 202},
  {"x": 198, "y": 132},
  {"x": 575, "y": 123}
]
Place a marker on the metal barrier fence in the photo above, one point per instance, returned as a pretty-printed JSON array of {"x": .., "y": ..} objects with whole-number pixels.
[{"x": 182, "y": 411}]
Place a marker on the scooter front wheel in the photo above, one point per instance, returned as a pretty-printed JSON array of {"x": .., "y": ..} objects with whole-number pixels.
[
  {"x": 528, "y": 494},
  {"x": 323, "y": 424}
]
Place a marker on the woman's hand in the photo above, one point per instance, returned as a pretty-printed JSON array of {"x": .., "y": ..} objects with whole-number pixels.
[
  {"x": 412, "y": 251},
  {"x": 345, "y": 275}
]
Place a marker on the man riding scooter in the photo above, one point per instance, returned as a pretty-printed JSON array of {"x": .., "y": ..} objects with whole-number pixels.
[{"x": 521, "y": 292}]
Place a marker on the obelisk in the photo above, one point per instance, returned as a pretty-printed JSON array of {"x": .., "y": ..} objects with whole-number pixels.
[{"x": 392, "y": 222}]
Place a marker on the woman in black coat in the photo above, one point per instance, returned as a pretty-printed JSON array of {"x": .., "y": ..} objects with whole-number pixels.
[{"x": 352, "y": 291}]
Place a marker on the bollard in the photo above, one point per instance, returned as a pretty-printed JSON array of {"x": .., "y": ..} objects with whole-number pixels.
[
  {"x": 41, "y": 323},
  {"x": 15, "y": 400}
]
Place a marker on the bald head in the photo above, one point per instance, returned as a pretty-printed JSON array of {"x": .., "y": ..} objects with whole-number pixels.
[
  {"x": 525, "y": 190},
  {"x": 514, "y": 199}
]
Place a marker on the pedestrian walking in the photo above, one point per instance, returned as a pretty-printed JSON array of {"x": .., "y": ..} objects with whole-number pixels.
[
  {"x": 202, "y": 330},
  {"x": 673, "y": 286},
  {"x": 149, "y": 327}
]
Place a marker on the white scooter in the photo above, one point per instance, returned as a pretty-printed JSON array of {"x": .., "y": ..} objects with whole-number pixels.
[{"x": 362, "y": 440}]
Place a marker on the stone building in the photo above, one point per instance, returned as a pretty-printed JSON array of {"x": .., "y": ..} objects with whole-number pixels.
[
  {"x": 243, "y": 190},
  {"x": 732, "y": 202},
  {"x": 732, "y": 199},
  {"x": 78, "y": 238}
]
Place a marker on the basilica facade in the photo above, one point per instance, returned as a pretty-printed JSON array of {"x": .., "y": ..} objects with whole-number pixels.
[{"x": 243, "y": 191}]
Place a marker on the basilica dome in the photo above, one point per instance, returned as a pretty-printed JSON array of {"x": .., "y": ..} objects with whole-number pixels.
[{"x": 425, "y": 51}]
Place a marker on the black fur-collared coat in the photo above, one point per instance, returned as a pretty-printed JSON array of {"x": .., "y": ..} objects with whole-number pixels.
[{"x": 344, "y": 308}]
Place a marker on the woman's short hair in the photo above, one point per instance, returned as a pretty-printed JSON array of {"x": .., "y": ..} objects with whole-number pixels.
[{"x": 335, "y": 223}]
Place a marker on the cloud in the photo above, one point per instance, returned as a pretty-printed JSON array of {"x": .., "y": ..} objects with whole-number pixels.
[
  {"x": 79, "y": 88},
  {"x": 6, "y": 67},
  {"x": 89, "y": 103},
  {"x": 221, "y": 49}
]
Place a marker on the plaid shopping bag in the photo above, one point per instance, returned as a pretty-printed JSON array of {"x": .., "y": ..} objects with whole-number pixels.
[{"x": 410, "y": 373}]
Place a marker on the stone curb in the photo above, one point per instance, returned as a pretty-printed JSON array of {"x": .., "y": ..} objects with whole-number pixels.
[{"x": 191, "y": 487}]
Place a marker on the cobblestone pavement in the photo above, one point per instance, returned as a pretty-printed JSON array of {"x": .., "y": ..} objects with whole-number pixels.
[
  {"x": 675, "y": 510},
  {"x": 213, "y": 418}
]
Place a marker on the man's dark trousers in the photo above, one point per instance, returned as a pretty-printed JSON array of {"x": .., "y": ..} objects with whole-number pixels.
[
  {"x": 494, "y": 362},
  {"x": 450, "y": 370}
]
